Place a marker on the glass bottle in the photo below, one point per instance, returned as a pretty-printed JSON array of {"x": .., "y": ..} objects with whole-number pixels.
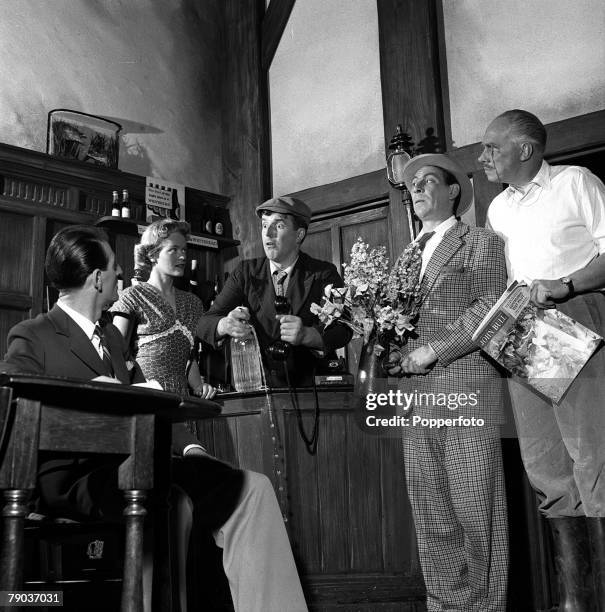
[
  {"x": 115, "y": 204},
  {"x": 208, "y": 221},
  {"x": 219, "y": 227},
  {"x": 175, "y": 212},
  {"x": 193, "y": 284},
  {"x": 125, "y": 204},
  {"x": 246, "y": 364}
]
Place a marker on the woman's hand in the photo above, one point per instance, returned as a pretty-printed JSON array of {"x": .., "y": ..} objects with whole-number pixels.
[{"x": 205, "y": 391}]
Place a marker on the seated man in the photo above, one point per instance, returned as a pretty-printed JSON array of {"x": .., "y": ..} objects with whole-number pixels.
[
  {"x": 239, "y": 506},
  {"x": 249, "y": 296}
]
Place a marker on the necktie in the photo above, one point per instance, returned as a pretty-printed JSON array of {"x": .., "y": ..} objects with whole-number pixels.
[
  {"x": 106, "y": 354},
  {"x": 421, "y": 242},
  {"x": 279, "y": 277}
]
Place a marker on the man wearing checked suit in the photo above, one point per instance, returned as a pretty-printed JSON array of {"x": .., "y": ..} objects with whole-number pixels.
[
  {"x": 248, "y": 297},
  {"x": 454, "y": 473},
  {"x": 239, "y": 507}
]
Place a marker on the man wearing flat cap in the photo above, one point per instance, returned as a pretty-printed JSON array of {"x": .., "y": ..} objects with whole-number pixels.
[
  {"x": 249, "y": 295},
  {"x": 454, "y": 470}
]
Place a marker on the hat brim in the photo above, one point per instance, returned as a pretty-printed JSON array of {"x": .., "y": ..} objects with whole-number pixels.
[
  {"x": 277, "y": 205},
  {"x": 442, "y": 161}
]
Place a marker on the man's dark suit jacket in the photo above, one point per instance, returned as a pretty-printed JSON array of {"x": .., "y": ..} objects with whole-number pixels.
[
  {"x": 251, "y": 285},
  {"x": 54, "y": 345}
]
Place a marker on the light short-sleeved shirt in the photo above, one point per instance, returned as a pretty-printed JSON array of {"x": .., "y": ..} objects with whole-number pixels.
[{"x": 552, "y": 226}]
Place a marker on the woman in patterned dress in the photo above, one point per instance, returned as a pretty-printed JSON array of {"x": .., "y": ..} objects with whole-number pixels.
[{"x": 165, "y": 316}]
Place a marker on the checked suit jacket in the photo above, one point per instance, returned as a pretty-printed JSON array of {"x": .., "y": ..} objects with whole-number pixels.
[
  {"x": 251, "y": 285},
  {"x": 464, "y": 278}
]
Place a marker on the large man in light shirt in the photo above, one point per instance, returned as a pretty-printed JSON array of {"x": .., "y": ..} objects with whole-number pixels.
[
  {"x": 552, "y": 219},
  {"x": 454, "y": 473}
]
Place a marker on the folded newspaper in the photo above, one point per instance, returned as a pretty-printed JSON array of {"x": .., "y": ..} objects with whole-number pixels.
[{"x": 545, "y": 347}]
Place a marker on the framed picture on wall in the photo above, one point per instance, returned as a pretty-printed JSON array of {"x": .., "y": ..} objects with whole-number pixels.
[{"x": 83, "y": 137}]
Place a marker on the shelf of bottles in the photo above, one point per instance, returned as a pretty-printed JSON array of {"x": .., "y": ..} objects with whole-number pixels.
[{"x": 210, "y": 224}]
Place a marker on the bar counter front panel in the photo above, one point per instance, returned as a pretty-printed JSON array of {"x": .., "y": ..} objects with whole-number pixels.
[{"x": 349, "y": 519}]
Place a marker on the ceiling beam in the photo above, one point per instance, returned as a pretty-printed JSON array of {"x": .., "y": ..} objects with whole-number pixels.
[{"x": 273, "y": 26}]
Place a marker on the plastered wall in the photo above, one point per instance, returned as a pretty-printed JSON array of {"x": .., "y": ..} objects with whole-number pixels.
[
  {"x": 326, "y": 102},
  {"x": 151, "y": 65},
  {"x": 545, "y": 56}
]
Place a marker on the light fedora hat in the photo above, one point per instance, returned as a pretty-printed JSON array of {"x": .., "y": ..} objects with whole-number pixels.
[{"x": 442, "y": 161}]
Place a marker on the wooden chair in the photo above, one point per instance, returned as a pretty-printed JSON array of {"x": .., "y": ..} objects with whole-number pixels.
[{"x": 67, "y": 416}]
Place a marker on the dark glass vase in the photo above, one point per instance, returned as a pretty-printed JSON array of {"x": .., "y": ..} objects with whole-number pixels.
[{"x": 370, "y": 375}]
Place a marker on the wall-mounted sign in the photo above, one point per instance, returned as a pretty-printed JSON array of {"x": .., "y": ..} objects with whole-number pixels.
[{"x": 164, "y": 200}]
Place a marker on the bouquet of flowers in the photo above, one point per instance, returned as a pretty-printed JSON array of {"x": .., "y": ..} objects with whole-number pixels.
[{"x": 375, "y": 302}]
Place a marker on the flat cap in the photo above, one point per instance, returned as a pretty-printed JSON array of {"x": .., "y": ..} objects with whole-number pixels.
[
  {"x": 439, "y": 160},
  {"x": 287, "y": 205}
]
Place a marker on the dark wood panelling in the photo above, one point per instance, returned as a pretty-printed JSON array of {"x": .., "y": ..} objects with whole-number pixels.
[
  {"x": 352, "y": 537},
  {"x": 16, "y": 246},
  {"x": 333, "y": 513},
  {"x": 335, "y": 237},
  {"x": 365, "y": 500},
  {"x": 304, "y": 493},
  {"x": 319, "y": 243},
  {"x": 67, "y": 186},
  {"x": 409, "y": 67},
  {"x": 246, "y": 173},
  {"x": 399, "y": 545},
  {"x": 347, "y": 193},
  {"x": 411, "y": 83},
  {"x": 8, "y": 318},
  {"x": 484, "y": 193},
  {"x": 374, "y": 231}
]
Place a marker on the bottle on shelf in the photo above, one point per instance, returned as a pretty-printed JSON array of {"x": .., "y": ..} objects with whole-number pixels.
[
  {"x": 125, "y": 204},
  {"x": 219, "y": 226},
  {"x": 115, "y": 204},
  {"x": 208, "y": 219},
  {"x": 175, "y": 212},
  {"x": 193, "y": 284}
]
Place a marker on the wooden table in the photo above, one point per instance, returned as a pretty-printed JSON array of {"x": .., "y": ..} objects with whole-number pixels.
[{"x": 71, "y": 416}]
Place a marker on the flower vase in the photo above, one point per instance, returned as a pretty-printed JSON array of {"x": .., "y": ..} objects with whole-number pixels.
[{"x": 370, "y": 369}]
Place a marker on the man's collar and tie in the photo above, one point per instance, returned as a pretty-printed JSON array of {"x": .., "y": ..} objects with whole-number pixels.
[
  {"x": 104, "y": 349},
  {"x": 279, "y": 279},
  {"x": 429, "y": 241},
  {"x": 421, "y": 242},
  {"x": 283, "y": 274},
  {"x": 93, "y": 331}
]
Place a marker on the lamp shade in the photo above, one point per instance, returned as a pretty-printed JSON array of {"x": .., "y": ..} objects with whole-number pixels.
[{"x": 396, "y": 161}]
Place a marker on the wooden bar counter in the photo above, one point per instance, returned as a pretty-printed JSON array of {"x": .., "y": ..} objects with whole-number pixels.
[{"x": 348, "y": 516}]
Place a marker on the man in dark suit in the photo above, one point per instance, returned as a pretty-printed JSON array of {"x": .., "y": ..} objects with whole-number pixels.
[
  {"x": 238, "y": 506},
  {"x": 454, "y": 470},
  {"x": 248, "y": 297}
]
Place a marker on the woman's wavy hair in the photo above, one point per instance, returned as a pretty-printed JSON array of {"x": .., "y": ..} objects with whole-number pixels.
[{"x": 151, "y": 244}]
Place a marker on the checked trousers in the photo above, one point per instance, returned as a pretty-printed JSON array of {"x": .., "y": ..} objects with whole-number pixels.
[{"x": 456, "y": 488}]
